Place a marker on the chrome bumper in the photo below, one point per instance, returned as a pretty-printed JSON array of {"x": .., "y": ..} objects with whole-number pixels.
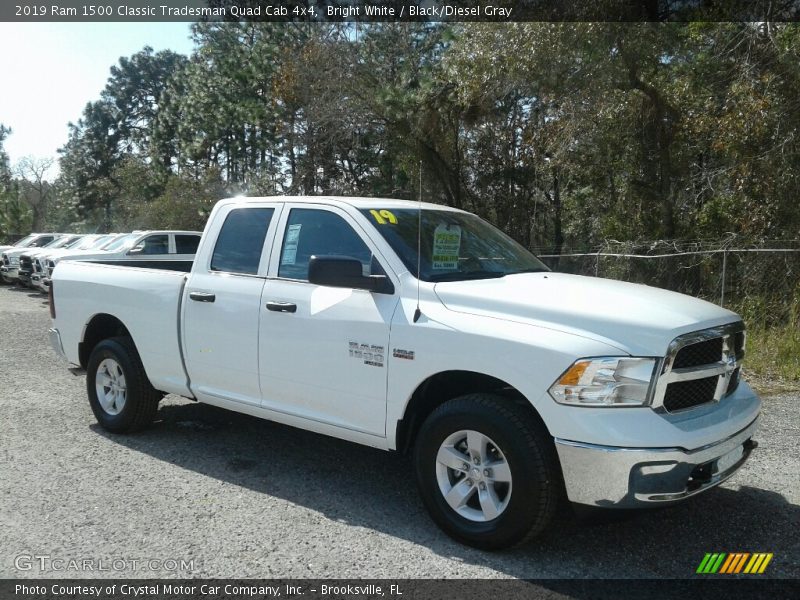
[
  {"x": 39, "y": 282},
  {"x": 9, "y": 272},
  {"x": 614, "y": 477},
  {"x": 55, "y": 342}
]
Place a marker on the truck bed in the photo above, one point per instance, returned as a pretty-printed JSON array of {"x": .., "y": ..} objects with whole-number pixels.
[
  {"x": 183, "y": 266},
  {"x": 145, "y": 299}
]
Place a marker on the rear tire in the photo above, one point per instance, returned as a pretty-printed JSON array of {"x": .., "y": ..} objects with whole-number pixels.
[
  {"x": 487, "y": 471},
  {"x": 120, "y": 394}
]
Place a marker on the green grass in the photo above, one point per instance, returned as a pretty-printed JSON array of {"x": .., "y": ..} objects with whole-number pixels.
[{"x": 772, "y": 363}]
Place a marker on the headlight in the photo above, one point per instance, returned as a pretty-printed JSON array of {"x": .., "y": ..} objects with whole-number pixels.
[{"x": 606, "y": 381}]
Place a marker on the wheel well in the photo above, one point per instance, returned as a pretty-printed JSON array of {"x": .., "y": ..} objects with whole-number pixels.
[
  {"x": 99, "y": 328},
  {"x": 438, "y": 389}
]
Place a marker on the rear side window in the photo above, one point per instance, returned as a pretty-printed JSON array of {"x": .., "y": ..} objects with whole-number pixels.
[
  {"x": 186, "y": 244},
  {"x": 240, "y": 240}
]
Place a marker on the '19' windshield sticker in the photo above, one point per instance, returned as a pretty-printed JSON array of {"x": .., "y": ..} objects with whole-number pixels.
[
  {"x": 371, "y": 354},
  {"x": 446, "y": 246},
  {"x": 290, "y": 245},
  {"x": 384, "y": 216}
]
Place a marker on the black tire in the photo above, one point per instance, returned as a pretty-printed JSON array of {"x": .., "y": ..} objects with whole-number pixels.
[
  {"x": 141, "y": 399},
  {"x": 528, "y": 449}
]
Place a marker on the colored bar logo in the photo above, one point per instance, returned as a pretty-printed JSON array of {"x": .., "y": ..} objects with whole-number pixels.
[{"x": 735, "y": 562}]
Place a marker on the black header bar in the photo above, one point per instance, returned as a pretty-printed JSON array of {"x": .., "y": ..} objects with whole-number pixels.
[{"x": 399, "y": 10}]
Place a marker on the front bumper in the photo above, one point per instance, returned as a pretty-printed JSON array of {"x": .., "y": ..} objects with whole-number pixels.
[
  {"x": 613, "y": 477},
  {"x": 9, "y": 273},
  {"x": 39, "y": 282}
]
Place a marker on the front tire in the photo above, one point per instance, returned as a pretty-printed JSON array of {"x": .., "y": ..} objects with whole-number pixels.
[
  {"x": 487, "y": 471},
  {"x": 120, "y": 394}
]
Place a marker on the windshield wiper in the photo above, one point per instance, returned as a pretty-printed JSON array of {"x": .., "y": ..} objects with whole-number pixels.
[
  {"x": 463, "y": 276},
  {"x": 531, "y": 270}
]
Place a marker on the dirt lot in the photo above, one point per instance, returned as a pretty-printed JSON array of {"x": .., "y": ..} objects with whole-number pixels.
[{"x": 234, "y": 496}]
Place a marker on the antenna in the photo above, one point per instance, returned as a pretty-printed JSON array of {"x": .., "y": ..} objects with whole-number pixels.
[{"x": 418, "y": 312}]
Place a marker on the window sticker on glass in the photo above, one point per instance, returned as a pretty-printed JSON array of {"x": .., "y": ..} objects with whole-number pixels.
[
  {"x": 446, "y": 246},
  {"x": 290, "y": 244},
  {"x": 384, "y": 216}
]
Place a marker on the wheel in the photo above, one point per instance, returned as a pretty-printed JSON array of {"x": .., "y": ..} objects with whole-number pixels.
[
  {"x": 487, "y": 471},
  {"x": 120, "y": 394}
]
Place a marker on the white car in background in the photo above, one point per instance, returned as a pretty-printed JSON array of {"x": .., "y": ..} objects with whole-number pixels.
[
  {"x": 40, "y": 278},
  {"x": 23, "y": 243},
  {"x": 141, "y": 246},
  {"x": 10, "y": 257},
  {"x": 27, "y": 257}
]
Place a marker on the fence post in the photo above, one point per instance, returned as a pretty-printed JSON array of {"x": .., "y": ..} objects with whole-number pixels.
[{"x": 724, "y": 269}]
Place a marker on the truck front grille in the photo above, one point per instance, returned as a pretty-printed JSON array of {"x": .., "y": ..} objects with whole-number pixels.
[
  {"x": 734, "y": 381},
  {"x": 699, "y": 354},
  {"x": 686, "y": 394},
  {"x": 700, "y": 368}
]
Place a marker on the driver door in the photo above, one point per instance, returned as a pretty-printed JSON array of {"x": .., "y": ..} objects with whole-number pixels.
[{"x": 323, "y": 350}]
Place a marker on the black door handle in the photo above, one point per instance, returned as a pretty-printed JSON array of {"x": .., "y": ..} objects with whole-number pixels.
[
  {"x": 282, "y": 307},
  {"x": 202, "y": 296}
]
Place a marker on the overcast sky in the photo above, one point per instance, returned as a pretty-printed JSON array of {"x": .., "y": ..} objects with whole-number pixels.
[{"x": 49, "y": 71}]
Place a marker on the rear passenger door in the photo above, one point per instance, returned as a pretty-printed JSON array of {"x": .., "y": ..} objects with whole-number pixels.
[{"x": 222, "y": 305}]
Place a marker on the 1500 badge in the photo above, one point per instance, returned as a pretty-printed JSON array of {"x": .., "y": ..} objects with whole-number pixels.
[{"x": 370, "y": 353}]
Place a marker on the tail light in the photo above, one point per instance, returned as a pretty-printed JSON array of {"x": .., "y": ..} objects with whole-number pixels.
[{"x": 52, "y": 300}]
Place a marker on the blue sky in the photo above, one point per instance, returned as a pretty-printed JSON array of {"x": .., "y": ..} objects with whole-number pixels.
[{"x": 49, "y": 71}]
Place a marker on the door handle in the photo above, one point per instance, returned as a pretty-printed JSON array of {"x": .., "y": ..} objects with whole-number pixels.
[
  {"x": 202, "y": 296},
  {"x": 282, "y": 307}
]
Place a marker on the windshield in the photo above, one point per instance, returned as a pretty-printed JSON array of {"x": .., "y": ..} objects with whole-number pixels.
[
  {"x": 122, "y": 243},
  {"x": 23, "y": 243},
  {"x": 94, "y": 241},
  {"x": 61, "y": 242},
  {"x": 75, "y": 242},
  {"x": 455, "y": 245}
]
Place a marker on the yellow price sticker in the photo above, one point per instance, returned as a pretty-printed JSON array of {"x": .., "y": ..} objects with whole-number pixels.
[{"x": 384, "y": 216}]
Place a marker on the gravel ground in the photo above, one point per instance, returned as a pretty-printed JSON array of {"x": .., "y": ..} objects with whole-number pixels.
[{"x": 242, "y": 497}]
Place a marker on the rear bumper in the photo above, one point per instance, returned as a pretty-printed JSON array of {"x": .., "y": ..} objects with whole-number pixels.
[
  {"x": 613, "y": 477},
  {"x": 55, "y": 343}
]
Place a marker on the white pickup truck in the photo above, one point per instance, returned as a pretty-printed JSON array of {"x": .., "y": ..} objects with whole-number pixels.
[{"x": 515, "y": 387}]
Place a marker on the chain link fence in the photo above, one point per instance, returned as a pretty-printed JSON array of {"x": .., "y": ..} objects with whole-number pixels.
[{"x": 762, "y": 280}]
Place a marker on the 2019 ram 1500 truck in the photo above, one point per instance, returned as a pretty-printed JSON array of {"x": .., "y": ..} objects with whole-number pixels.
[{"x": 514, "y": 386}]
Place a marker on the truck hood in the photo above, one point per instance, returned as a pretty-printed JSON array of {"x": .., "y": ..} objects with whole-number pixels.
[
  {"x": 32, "y": 252},
  {"x": 637, "y": 319},
  {"x": 16, "y": 251}
]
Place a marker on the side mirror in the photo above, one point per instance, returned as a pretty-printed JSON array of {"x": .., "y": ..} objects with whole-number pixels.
[
  {"x": 346, "y": 272},
  {"x": 138, "y": 249}
]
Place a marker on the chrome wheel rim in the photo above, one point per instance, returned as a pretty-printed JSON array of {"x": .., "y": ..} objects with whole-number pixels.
[
  {"x": 110, "y": 386},
  {"x": 473, "y": 476}
]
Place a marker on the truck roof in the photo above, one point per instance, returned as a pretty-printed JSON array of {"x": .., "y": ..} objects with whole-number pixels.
[{"x": 354, "y": 201}]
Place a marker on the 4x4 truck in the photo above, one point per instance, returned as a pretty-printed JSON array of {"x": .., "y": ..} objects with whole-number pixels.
[{"x": 416, "y": 327}]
